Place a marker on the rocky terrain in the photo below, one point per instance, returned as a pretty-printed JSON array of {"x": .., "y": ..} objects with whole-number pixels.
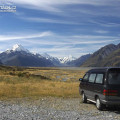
[{"x": 50, "y": 108}]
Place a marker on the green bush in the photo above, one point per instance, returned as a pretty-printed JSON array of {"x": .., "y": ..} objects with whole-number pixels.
[
  {"x": 20, "y": 74},
  {"x": 11, "y": 73}
]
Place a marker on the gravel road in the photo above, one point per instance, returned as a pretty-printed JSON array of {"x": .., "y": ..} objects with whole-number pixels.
[{"x": 50, "y": 108}]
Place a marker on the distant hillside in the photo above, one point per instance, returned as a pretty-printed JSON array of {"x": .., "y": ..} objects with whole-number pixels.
[
  {"x": 112, "y": 60},
  {"x": 1, "y": 63},
  {"x": 106, "y": 56}
]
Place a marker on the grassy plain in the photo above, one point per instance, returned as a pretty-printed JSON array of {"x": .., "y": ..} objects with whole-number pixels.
[{"x": 36, "y": 82}]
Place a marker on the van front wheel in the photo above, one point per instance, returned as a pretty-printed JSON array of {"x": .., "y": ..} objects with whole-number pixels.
[
  {"x": 84, "y": 98},
  {"x": 99, "y": 105}
]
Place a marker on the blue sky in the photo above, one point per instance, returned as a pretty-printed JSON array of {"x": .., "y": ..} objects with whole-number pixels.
[{"x": 60, "y": 28}]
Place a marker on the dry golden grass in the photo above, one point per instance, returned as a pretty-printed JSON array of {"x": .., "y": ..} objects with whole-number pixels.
[
  {"x": 44, "y": 88},
  {"x": 31, "y": 83}
]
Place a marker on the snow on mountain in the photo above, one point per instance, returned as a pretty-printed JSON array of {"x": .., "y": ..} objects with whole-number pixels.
[
  {"x": 19, "y": 56},
  {"x": 46, "y": 56},
  {"x": 67, "y": 59},
  {"x": 56, "y": 61},
  {"x": 60, "y": 60},
  {"x": 19, "y": 48}
]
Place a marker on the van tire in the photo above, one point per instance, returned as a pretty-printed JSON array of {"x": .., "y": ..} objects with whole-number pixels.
[
  {"x": 99, "y": 105},
  {"x": 84, "y": 98}
]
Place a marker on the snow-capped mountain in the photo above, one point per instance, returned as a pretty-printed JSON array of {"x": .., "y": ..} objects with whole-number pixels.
[
  {"x": 19, "y": 56},
  {"x": 55, "y": 60},
  {"x": 18, "y": 48},
  {"x": 79, "y": 61},
  {"x": 47, "y": 56},
  {"x": 67, "y": 59},
  {"x": 62, "y": 61}
]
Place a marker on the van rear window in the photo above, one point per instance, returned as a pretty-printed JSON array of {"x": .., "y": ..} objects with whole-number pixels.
[{"x": 114, "y": 77}]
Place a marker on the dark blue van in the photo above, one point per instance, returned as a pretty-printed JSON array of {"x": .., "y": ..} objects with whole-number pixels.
[{"x": 101, "y": 86}]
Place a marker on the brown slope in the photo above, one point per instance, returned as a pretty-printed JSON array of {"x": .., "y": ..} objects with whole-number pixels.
[
  {"x": 113, "y": 60},
  {"x": 97, "y": 57}
]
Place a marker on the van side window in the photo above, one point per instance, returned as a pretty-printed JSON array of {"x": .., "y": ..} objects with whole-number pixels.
[
  {"x": 92, "y": 77},
  {"x": 99, "y": 78},
  {"x": 85, "y": 78}
]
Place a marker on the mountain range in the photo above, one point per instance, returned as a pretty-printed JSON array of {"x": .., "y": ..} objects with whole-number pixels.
[
  {"x": 22, "y": 57},
  {"x": 19, "y": 56},
  {"x": 107, "y": 56}
]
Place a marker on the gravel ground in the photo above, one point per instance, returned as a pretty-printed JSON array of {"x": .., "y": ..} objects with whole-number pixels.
[{"x": 50, "y": 108}]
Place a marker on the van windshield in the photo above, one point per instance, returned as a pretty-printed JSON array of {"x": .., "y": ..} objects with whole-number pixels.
[{"x": 114, "y": 77}]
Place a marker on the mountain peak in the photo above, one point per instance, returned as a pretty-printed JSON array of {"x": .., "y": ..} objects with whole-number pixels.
[
  {"x": 17, "y": 47},
  {"x": 67, "y": 59}
]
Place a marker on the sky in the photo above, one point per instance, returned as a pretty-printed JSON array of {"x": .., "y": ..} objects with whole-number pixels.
[{"x": 60, "y": 27}]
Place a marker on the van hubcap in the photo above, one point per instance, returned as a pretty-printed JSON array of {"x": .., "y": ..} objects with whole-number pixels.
[
  {"x": 83, "y": 96},
  {"x": 98, "y": 103}
]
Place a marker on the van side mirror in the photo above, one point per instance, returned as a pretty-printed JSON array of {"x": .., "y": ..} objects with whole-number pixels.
[{"x": 81, "y": 79}]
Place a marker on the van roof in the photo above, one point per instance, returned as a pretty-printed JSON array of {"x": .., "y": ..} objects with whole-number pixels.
[{"x": 103, "y": 69}]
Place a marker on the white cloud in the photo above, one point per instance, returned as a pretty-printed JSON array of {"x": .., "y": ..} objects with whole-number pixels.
[
  {"x": 50, "y": 38},
  {"x": 105, "y": 24},
  {"x": 63, "y": 8},
  {"x": 101, "y": 31},
  {"x": 63, "y": 40},
  {"x": 9, "y": 37},
  {"x": 53, "y": 5},
  {"x": 94, "y": 37},
  {"x": 55, "y": 44},
  {"x": 46, "y": 20}
]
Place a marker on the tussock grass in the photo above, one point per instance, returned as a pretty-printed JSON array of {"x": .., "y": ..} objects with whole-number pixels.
[
  {"x": 17, "y": 89},
  {"x": 36, "y": 82}
]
